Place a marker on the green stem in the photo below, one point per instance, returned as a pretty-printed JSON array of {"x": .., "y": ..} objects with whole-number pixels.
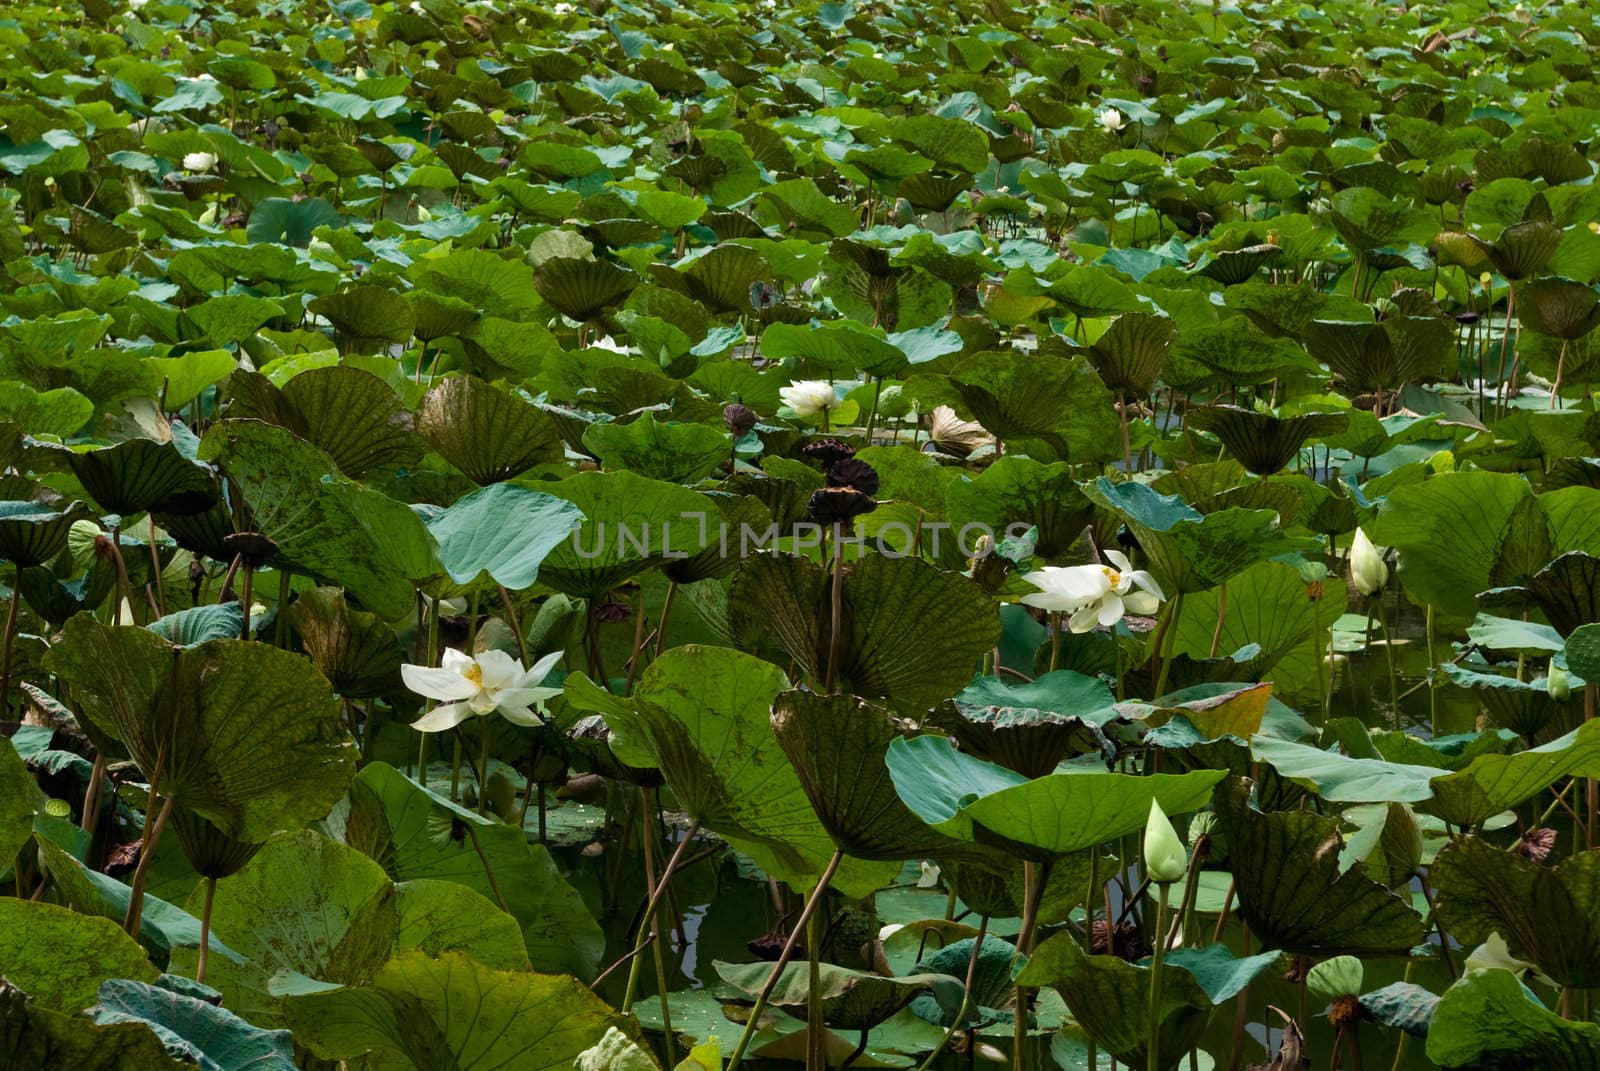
[
  {"x": 966, "y": 996},
  {"x": 1388, "y": 650},
  {"x": 1153, "y": 1052},
  {"x": 205, "y": 931},
  {"x": 816, "y": 1050},
  {"x": 1169, "y": 642},
  {"x": 812, "y": 902},
  {"x": 486, "y": 738}
]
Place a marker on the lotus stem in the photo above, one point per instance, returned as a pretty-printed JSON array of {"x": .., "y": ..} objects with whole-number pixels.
[
  {"x": 666, "y": 613},
  {"x": 1388, "y": 651},
  {"x": 1438, "y": 924},
  {"x": 1167, "y": 642},
  {"x": 658, "y": 890},
  {"x": 1153, "y": 1051},
  {"x": 516, "y": 625},
  {"x": 872, "y": 414},
  {"x": 651, "y": 922},
  {"x": 638, "y": 648},
  {"x": 147, "y": 851},
  {"x": 485, "y": 740},
  {"x": 1241, "y": 1014},
  {"x": 123, "y": 584},
  {"x": 1088, "y": 902},
  {"x": 837, "y": 619},
  {"x": 812, "y": 902},
  {"x": 1055, "y": 639},
  {"x": 1034, "y": 878},
  {"x": 1561, "y": 364},
  {"x": 91, "y": 795},
  {"x": 966, "y": 995},
  {"x": 1591, "y": 786},
  {"x": 244, "y": 601},
  {"x": 1222, "y": 615},
  {"x": 205, "y": 930},
  {"x": 1127, "y": 446},
  {"x": 155, "y": 570},
  {"x": 816, "y": 1049},
  {"x": 10, "y": 640},
  {"x": 1433, "y": 691}
]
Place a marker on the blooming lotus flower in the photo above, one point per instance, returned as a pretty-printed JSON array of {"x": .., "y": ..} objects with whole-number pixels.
[
  {"x": 1367, "y": 569},
  {"x": 1094, "y": 594},
  {"x": 199, "y": 161},
  {"x": 1112, "y": 120},
  {"x": 809, "y": 398},
  {"x": 1165, "y": 860},
  {"x": 494, "y": 681}
]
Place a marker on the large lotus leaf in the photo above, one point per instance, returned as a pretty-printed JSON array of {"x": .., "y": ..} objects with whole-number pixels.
[
  {"x": 33, "y": 1036},
  {"x": 630, "y": 524},
  {"x": 1293, "y": 895},
  {"x": 1568, "y": 591},
  {"x": 230, "y": 318},
  {"x": 1340, "y": 778},
  {"x": 1022, "y": 492},
  {"x": 324, "y": 523},
  {"x": 1549, "y": 916},
  {"x": 1524, "y": 707},
  {"x": 1384, "y": 356},
  {"x": 59, "y": 957},
  {"x": 142, "y": 474},
  {"x": 356, "y": 651},
  {"x": 1234, "y": 266},
  {"x": 439, "y": 316},
  {"x": 582, "y": 289},
  {"x": 1190, "y": 551},
  {"x": 1448, "y": 531},
  {"x": 674, "y": 452},
  {"x": 887, "y": 651},
  {"x": 247, "y": 735},
  {"x": 453, "y": 1012},
  {"x": 1263, "y": 442},
  {"x": 1527, "y": 544},
  {"x": 1057, "y": 400},
  {"x": 842, "y": 347},
  {"x": 32, "y": 533},
  {"x": 722, "y": 278},
  {"x": 290, "y": 222},
  {"x": 1234, "y": 350},
  {"x": 1110, "y": 999},
  {"x": 366, "y": 315},
  {"x": 354, "y": 416},
  {"x": 850, "y": 999},
  {"x": 1270, "y": 605},
  {"x": 197, "y": 624},
  {"x": 1488, "y": 1021},
  {"x": 1367, "y": 219},
  {"x": 503, "y": 531},
  {"x": 212, "y": 1037},
  {"x": 310, "y": 910},
  {"x": 1523, "y": 249},
  {"x": 1492, "y": 783},
  {"x": 702, "y": 716},
  {"x": 1032, "y": 726},
  {"x": 1133, "y": 351},
  {"x": 482, "y": 278},
  {"x": 837, "y": 744},
  {"x": 17, "y": 792},
  {"x": 486, "y": 432},
  {"x": 992, "y": 989},
  {"x": 396, "y": 821},
  {"x": 60, "y": 412},
  {"x": 1563, "y": 308},
  {"x": 1067, "y": 811}
]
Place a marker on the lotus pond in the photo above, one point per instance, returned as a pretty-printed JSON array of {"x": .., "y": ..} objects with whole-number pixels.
[{"x": 643, "y": 535}]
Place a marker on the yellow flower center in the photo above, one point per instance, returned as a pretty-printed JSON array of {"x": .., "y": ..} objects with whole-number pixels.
[
  {"x": 474, "y": 673},
  {"x": 1112, "y": 575}
]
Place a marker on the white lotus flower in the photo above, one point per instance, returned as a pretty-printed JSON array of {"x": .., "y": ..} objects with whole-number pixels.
[
  {"x": 1112, "y": 120},
  {"x": 200, "y": 161},
  {"x": 1094, "y": 594},
  {"x": 494, "y": 681},
  {"x": 562, "y": 9},
  {"x": 135, "y": 5},
  {"x": 1367, "y": 568},
  {"x": 809, "y": 398},
  {"x": 929, "y": 877}
]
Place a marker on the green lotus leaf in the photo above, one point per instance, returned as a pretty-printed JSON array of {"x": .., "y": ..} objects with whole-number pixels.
[
  {"x": 246, "y": 735},
  {"x": 17, "y": 792},
  {"x": 1489, "y": 1020},
  {"x": 1568, "y": 591},
  {"x": 502, "y": 531},
  {"x": 1190, "y": 551},
  {"x": 676, "y": 453},
  {"x": 486, "y": 432},
  {"x": 1367, "y": 220},
  {"x": 1562, "y": 308},
  {"x": 1017, "y": 493},
  {"x": 582, "y": 289},
  {"x": 307, "y": 911},
  {"x": 1032, "y": 727},
  {"x": 136, "y": 475},
  {"x": 721, "y": 279},
  {"x": 1293, "y": 894},
  {"x": 992, "y": 989},
  {"x": 1523, "y": 249},
  {"x": 850, "y": 999},
  {"x": 1383, "y": 356},
  {"x": 353, "y": 416},
  {"x": 32, "y": 533},
  {"x": 213, "y": 1037},
  {"x": 196, "y": 625},
  {"x": 38, "y": 1037},
  {"x": 482, "y": 279},
  {"x": 1524, "y": 707},
  {"x": 1402, "y": 1005},
  {"x": 1110, "y": 999},
  {"x": 1067, "y": 811},
  {"x": 1132, "y": 353},
  {"x": 397, "y": 822},
  {"x": 356, "y": 651},
  {"x": 59, "y": 957},
  {"x": 417, "y": 1011},
  {"x": 290, "y": 221},
  {"x": 837, "y": 746},
  {"x": 229, "y": 319},
  {"x": 843, "y": 347},
  {"x": 366, "y": 315},
  {"x": 1236, "y": 351},
  {"x": 1448, "y": 531},
  {"x": 1234, "y": 266},
  {"x": 885, "y": 650},
  {"x": 324, "y": 523},
  {"x": 1264, "y": 443},
  {"x": 1058, "y": 401},
  {"x": 1549, "y": 916},
  {"x": 60, "y": 412},
  {"x": 630, "y": 524}
]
